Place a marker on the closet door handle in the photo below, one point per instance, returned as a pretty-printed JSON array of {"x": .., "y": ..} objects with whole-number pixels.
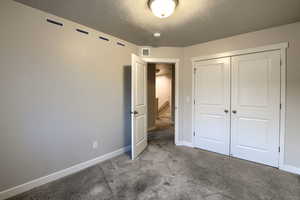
[
  {"x": 234, "y": 111},
  {"x": 226, "y": 111}
]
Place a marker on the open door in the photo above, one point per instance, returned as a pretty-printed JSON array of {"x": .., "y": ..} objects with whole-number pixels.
[{"x": 138, "y": 106}]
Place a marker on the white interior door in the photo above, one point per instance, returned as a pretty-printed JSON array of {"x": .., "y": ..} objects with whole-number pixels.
[
  {"x": 212, "y": 105},
  {"x": 256, "y": 107},
  {"x": 138, "y": 106}
]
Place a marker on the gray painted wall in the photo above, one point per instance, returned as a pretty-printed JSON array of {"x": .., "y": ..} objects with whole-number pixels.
[
  {"x": 151, "y": 98},
  {"x": 173, "y": 92},
  {"x": 288, "y": 33},
  {"x": 60, "y": 90}
]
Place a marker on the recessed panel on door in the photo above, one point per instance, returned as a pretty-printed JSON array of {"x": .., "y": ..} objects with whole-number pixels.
[
  {"x": 212, "y": 105},
  {"x": 140, "y": 129},
  {"x": 140, "y": 84},
  {"x": 256, "y": 107}
]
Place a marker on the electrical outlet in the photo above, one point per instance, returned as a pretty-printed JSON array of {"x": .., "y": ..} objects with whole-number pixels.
[{"x": 95, "y": 145}]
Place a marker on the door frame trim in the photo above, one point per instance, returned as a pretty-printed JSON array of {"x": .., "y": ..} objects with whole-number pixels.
[
  {"x": 283, "y": 51},
  {"x": 176, "y": 62},
  {"x": 279, "y": 46}
]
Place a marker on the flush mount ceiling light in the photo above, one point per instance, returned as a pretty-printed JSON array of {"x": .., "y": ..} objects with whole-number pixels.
[
  {"x": 162, "y": 8},
  {"x": 156, "y": 34}
]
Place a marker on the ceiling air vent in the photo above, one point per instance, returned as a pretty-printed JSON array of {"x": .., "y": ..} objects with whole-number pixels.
[{"x": 145, "y": 51}]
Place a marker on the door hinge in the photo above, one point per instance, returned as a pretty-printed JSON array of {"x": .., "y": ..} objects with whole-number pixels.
[
  {"x": 280, "y": 62},
  {"x": 194, "y": 133},
  {"x": 280, "y": 106},
  {"x": 195, "y": 69},
  {"x": 279, "y": 149},
  {"x": 194, "y": 102}
]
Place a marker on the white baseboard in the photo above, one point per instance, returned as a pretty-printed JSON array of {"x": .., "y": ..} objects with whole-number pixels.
[
  {"x": 287, "y": 168},
  {"x": 291, "y": 169},
  {"x": 188, "y": 144},
  {"x": 185, "y": 143},
  {"x": 60, "y": 174}
]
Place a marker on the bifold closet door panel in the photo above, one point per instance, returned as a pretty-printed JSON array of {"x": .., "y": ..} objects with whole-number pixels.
[
  {"x": 255, "y": 106},
  {"x": 212, "y": 105}
]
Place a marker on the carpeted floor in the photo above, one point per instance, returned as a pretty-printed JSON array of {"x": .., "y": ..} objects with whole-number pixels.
[
  {"x": 164, "y": 130},
  {"x": 169, "y": 172}
]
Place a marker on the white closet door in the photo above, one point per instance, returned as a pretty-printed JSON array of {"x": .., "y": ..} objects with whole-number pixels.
[
  {"x": 212, "y": 105},
  {"x": 256, "y": 107}
]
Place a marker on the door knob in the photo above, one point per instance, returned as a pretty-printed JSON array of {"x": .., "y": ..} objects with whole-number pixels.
[
  {"x": 226, "y": 111},
  {"x": 135, "y": 112},
  {"x": 234, "y": 111}
]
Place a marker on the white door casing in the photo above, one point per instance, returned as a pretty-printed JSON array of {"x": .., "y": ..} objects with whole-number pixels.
[
  {"x": 212, "y": 105},
  {"x": 256, "y": 107},
  {"x": 138, "y": 106}
]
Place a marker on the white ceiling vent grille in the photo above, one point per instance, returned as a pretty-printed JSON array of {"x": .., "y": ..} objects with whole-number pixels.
[{"x": 145, "y": 52}]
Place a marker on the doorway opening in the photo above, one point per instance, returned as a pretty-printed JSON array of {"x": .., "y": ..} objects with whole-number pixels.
[
  {"x": 161, "y": 101},
  {"x": 139, "y": 103}
]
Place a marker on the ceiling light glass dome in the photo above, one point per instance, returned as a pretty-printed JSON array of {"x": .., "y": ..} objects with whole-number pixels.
[{"x": 162, "y": 8}]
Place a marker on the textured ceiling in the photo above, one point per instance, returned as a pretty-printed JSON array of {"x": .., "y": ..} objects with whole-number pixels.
[{"x": 194, "y": 21}]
